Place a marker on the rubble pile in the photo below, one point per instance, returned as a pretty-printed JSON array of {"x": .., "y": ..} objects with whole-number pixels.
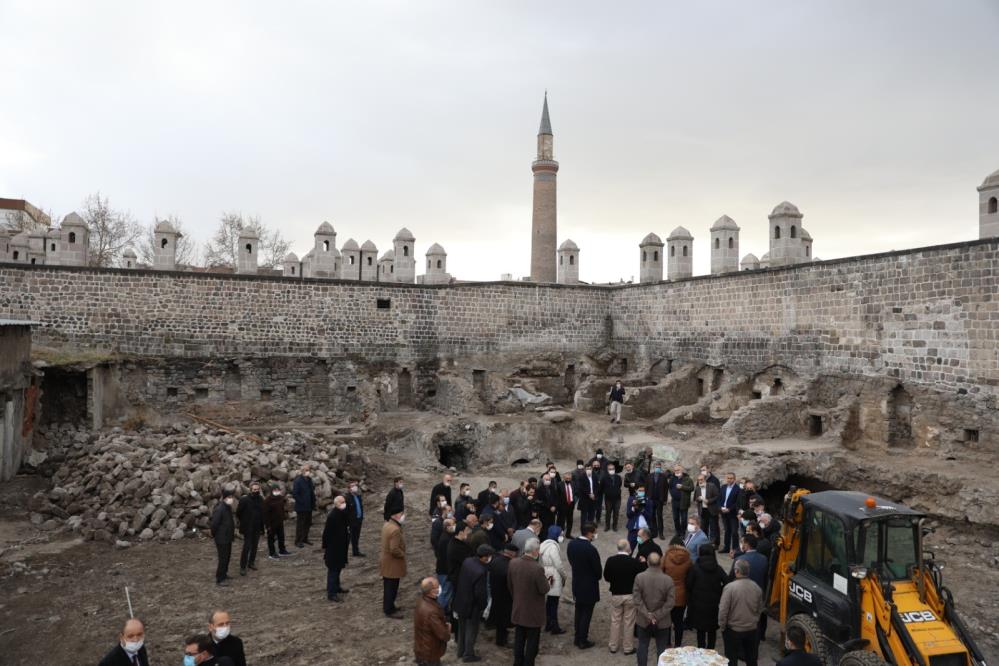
[{"x": 163, "y": 483}]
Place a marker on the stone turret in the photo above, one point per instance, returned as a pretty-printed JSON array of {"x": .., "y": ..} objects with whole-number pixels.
[
  {"x": 386, "y": 267},
  {"x": 75, "y": 250},
  {"x": 785, "y": 235},
  {"x": 128, "y": 259},
  {"x": 165, "y": 239},
  {"x": 650, "y": 252},
  {"x": 436, "y": 266},
  {"x": 247, "y": 250},
  {"x": 351, "y": 257},
  {"x": 724, "y": 246},
  {"x": 291, "y": 266},
  {"x": 404, "y": 263},
  {"x": 765, "y": 260},
  {"x": 568, "y": 263},
  {"x": 324, "y": 261},
  {"x": 806, "y": 246},
  {"x": 988, "y": 206},
  {"x": 750, "y": 262},
  {"x": 369, "y": 261},
  {"x": 53, "y": 241},
  {"x": 680, "y": 262}
]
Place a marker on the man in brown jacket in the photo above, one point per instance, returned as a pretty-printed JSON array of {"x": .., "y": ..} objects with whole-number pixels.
[
  {"x": 739, "y": 616},
  {"x": 528, "y": 587},
  {"x": 654, "y": 597},
  {"x": 430, "y": 631},
  {"x": 392, "y": 563}
]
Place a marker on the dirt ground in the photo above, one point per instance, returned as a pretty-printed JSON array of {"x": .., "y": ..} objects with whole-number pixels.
[{"x": 66, "y": 598}]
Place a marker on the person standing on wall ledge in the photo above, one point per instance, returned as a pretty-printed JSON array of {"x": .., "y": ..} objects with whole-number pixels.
[
  {"x": 304, "y": 492},
  {"x": 616, "y": 401}
]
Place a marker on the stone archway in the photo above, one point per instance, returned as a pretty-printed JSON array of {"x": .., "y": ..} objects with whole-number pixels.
[
  {"x": 900, "y": 408},
  {"x": 405, "y": 388}
]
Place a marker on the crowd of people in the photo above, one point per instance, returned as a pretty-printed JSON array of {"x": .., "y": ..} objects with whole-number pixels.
[{"x": 505, "y": 558}]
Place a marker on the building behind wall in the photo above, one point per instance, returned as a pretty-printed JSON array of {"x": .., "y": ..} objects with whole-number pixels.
[{"x": 18, "y": 395}]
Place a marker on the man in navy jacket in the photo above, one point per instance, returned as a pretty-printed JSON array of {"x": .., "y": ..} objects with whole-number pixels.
[
  {"x": 304, "y": 492},
  {"x": 640, "y": 513},
  {"x": 586, "y": 574},
  {"x": 728, "y": 503}
]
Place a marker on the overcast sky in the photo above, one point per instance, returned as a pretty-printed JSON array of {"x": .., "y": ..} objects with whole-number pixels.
[{"x": 877, "y": 119}]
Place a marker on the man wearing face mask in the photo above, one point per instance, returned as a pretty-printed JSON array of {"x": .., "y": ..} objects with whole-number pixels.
[
  {"x": 442, "y": 488},
  {"x": 482, "y": 501},
  {"x": 394, "y": 500},
  {"x": 728, "y": 506},
  {"x": 250, "y": 513},
  {"x": 304, "y": 492},
  {"x": 224, "y": 643},
  {"x": 546, "y": 499},
  {"x": 392, "y": 565},
  {"x": 680, "y": 488},
  {"x": 528, "y": 587},
  {"x": 274, "y": 510},
  {"x": 223, "y": 529},
  {"x": 471, "y": 596},
  {"x": 131, "y": 650},
  {"x": 567, "y": 504},
  {"x": 336, "y": 536},
  {"x": 695, "y": 536},
  {"x": 658, "y": 488},
  {"x": 355, "y": 517},
  {"x": 640, "y": 512},
  {"x": 586, "y": 492},
  {"x": 633, "y": 477},
  {"x": 586, "y": 574},
  {"x": 610, "y": 486},
  {"x": 198, "y": 651},
  {"x": 599, "y": 466},
  {"x": 499, "y": 593},
  {"x": 430, "y": 630},
  {"x": 440, "y": 556},
  {"x": 706, "y": 500}
]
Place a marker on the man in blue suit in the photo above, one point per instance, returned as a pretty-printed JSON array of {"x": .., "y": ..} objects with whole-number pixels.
[
  {"x": 728, "y": 503},
  {"x": 640, "y": 513},
  {"x": 586, "y": 575},
  {"x": 695, "y": 536}
]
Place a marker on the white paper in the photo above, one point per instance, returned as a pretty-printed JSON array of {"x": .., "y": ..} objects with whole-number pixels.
[{"x": 839, "y": 583}]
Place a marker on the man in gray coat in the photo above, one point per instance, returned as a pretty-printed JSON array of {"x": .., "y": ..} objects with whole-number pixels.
[
  {"x": 528, "y": 587},
  {"x": 654, "y": 596},
  {"x": 739, "y": 616}
]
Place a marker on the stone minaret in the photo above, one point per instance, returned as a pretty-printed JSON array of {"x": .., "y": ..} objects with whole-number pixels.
[{"x": 543, "y": 221}]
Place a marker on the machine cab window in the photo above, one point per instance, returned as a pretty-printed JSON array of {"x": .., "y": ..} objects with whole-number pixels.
[
  {"x": 825, "y": 547},
  {"x": 888, "y": 547}
]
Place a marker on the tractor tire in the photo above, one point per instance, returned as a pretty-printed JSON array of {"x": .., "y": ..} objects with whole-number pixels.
[
  {"x": 814, "y": 641},
  {"x": 861, "y": 658}
]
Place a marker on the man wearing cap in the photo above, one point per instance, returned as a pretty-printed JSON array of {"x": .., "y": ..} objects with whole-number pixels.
[
  {"x": 502, "y": 602},
  {"x": 223, "y": 528},
  {"x": 470, "y": 600}
]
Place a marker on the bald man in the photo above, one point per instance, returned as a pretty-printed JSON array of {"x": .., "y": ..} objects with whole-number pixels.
[
  {"x": 131, "y": 649},
  {"x": 224, "y": 643}
]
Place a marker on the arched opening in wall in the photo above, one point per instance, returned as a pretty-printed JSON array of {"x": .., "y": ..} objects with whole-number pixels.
[
  {"x": 572, "y": 260},
  {"x": 64, "y": 396},
  {"x": 369, "y": 261},
  {"x": 350, "y": 260},
  {"x": 392, "y": 268},
  {"x": 569, "y": 380},
  {"x": 249, "y": 248},
  {"x": 405, "y": 388},
  {"x": 232, "y": 383},
  {"x": 731, "y": 242},
  {"x": 428, "y": 263},
  {"x": 716, "y": 378},
  {"x": 993, "y": 205},
  {"x": 776, "y": 232},
  {"x": 163, "y": 243},
  {"x": 52, "y": 247},
  {"x": 72, "y": 236},
  {"x": 326, "y": 246},
  {"x": 808, "y": 251},
  {"x": 700, "y": 387},
  {"x": 520, "y": 461},
  {"x": 661, "y": 368},
  {"x": 718, "y": 243},
  {"x": 794, "y": 231},
  {"x": 672, "y": 250},
  {"x": 561, "y": 261},
  {"x": 440, "y": 264},
  {"x": 33, "y": 261},
  {"x": 644, "y": 256},
  {"x": 405, "y": 250},
  {"x": 479, "y": 383},
  {"x": 454, "y": 454},
  {"x": 899, "y": 417},
  {"x": 655, "y": 255},
  {"x": 292, "y": 270},
  {"x": 777, "y": 388},
  {"x": 773, "y": 494},
  {"x": 16, "y": 255},
  {"x": 685, "y": 250}
]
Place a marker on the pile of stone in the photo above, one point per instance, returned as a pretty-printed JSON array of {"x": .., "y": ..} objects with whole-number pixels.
[{"x": 163, "y": 483}]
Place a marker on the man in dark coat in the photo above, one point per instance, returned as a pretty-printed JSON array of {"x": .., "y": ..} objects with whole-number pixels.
[
  {"x": 200, "y": 647},
  {"x": 223, "y": 529},
  {"x": 502, "y": 602},
  {"x": 471, "y": 596},
  {"x": 336, "y": 537},
  {"x": 546, "y": 498},
  {"x": 442, "y": 488},
  {"x": 457, "y": 551},
  {"x": 796, "y": 655},
  {"x": 131, "y": 650},
  {"x": 645, "y": 546},
  {"x": 394, "y": 500},
  {"x": 355, "y": 517},
  {"x": 520, "y": 506},
  {"x": 705, "y": 580},
  {"x": 587, "y": 488},
  {"x": 729, "y": 498},
  {"x": 598, "y": 465},
  {"x": 483, "y": 499},
  {"x": 705, "y": 501},
  {"x": 224, "y": 643},
  {"x": 658, "y": 490},
  {"x": 633, "y": 477},
  {"x": 640, "y": 513},
  {"x": 440, "y": 554},
  {"x": 586, "y": 574},
  {"x": 528, "y": 588},
  {"x": 274, "y": 510},
  {"x": 680, "y": 488},
  {"x": 566, "y": 504},
  {"x": 304, "y": 492},
  {"x": 250, "y": 513},
  {"x": 610, "y": 486}
]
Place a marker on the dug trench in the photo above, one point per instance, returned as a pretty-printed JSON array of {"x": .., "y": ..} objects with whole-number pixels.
[{"x": 70, "y": 583}]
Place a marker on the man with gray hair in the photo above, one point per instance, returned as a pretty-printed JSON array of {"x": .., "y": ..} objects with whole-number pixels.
[
  {"x": 528, "y": 587},
  {"x": 739, "y": 616},
  {"x": 430, "y": 630},
  {"x": 654, "y": 596},
  {"x": 620, "y": 571}
]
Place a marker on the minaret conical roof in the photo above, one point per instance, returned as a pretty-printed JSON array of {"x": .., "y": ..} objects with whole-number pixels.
[{"x": 546, "y": 123}]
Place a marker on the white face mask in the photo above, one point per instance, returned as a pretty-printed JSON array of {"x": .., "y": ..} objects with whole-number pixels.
[
  {"x": 589, "y": 472},
  {"x": 561, "y": 538},
  {"x": 600, "y": 455},
  {"x": 354, "y": 489},
  {"x": 132, "y": 647},
  {"x": 594, "y": 537},
  {"x": 340, "y": 507},
  {"x": 611, "y": 470},
  {"x": 691, "y": 528},
  {"x": 221, "y": 633},
  {"x": 402, "y": 519}
]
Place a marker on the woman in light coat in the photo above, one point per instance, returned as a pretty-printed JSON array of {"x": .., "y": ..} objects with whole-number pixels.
[{"x": 551, "y": 560}]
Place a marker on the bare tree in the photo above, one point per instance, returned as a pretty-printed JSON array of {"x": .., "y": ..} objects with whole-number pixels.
[
  {"x": 221, "y": 250},
  {"x": 187, "y": 248},
  {"x": 21, "y": 220},
  {"x": 111, "y": 231}
]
